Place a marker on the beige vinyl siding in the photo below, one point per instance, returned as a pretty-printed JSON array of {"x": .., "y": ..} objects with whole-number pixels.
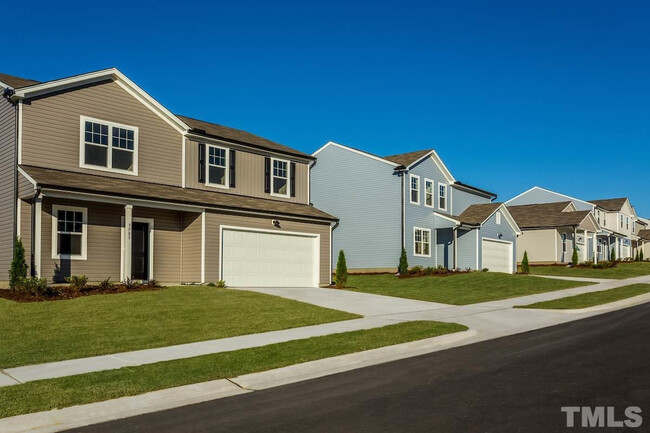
[
  {"x": 540, "y": 245},
  {"x": 249, "y": 175},
  {"x": 25, "y": 187},
  {"x": 213, "y": 242},
  {"x": 192, "y": 229},
  {"x": 25, "y": 229},
  {"x": 167, "y": 243},
  {"x": 565, "y": 257},
  {"x": 51, "y": 132},
  {"x": 7, "y": 187}
]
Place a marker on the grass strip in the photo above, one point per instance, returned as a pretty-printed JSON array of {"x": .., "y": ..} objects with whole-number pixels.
[{"x": 591, "y": 299}]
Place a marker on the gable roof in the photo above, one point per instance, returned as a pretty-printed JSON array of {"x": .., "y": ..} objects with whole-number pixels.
[
  {"x": 610, "y": 204},
  {"x": 209, "y": 129},
  {"x": 477, "y": 213},
  {"x": 546, "y": 215},
  {"x": 406, "y": 159},
  {"x": 644, "y": 234},
  {"x": 16, "y": 82},
  {"x": 111, "y": 186},
  {"x": 539, "y": 188}
]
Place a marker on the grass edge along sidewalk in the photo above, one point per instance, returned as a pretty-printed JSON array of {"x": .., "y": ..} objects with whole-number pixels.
[{"x": 591, "y": 299}]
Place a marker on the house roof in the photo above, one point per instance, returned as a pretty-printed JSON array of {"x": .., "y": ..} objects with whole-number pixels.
[
  {"x": 201, "y": 127},
  {"x": 477, "y": 213},
  {"x": 610, "y": 204},
  {"x": 546, "y": 215},
  {"x": 98, "y": 184},
  {"x": 475, "y": 189},
  {"x": 198, "y": 127},
  {"x": 409, "y": 158},
  {"x": 644, "y": 234}
]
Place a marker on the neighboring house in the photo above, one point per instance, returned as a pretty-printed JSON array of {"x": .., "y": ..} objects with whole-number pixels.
[
  {"x": 645, "y": 243},
  {"x": 413, "y": 201},
  {"x": 616, "y": 219},
  {"x": 100, "y": 179},
  {"x": 551, "y": 230}
]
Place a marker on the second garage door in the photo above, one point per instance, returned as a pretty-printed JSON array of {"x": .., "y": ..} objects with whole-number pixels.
[
  {"x": 267, "y": 259},
  {"x": 497, "y": 256}
]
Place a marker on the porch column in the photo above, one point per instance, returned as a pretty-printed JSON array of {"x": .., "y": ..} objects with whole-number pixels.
[
  {"x": 455, "y": 231},
  {"x": 128, "y": 240},
  {"x": 586, "y": 254},
  {"x": 595, "y": 247},
  {"x": 38, "y": 214}
]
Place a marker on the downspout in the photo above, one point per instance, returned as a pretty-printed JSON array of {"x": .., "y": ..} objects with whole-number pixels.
[
  {"x": 401, "y": 170},
  {"x": 336, "y": 224},
  {"x": 32, "y": 267},
  {"x": 8, "y": 93}
]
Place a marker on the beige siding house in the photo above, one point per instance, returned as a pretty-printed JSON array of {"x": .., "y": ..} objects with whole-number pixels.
[{"x": 100, "y": 179}]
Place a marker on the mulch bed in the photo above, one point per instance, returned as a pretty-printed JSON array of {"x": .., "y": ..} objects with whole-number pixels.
[{"x": 64, "y": 292}]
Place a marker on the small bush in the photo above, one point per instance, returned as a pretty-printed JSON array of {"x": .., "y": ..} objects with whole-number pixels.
[
  {"x": 416, "y": 270},
  {"x": 131, "y": 284},
  {"x": 211, "y": 284},
  {"x": 636, "y": 258},
  {"x": 18, "y": 269},
  {"x": 153, "y": 283},
  {"x": 34, "y": 286},
  {"x": 429, "y": 270},
  {"x": 106, "y": 284},
  {"x": 341, "y": 276},
  {"x": 485, "y": 270},
  {"x": 221, "y": 284},
  {"x": 574, "y": 257},
  {"x": 525, "y": 265},
  {"x": 612, "y": 255},
  {"x": 403, "y": 267},
  {"x": 77, "y": 282}
]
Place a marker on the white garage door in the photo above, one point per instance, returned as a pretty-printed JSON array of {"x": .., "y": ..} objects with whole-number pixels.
[
  {"x": 497, "y": 256},
  {"x": 262, "y": 259}
]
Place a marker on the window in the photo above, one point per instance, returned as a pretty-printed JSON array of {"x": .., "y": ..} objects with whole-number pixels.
[
  {"x": 627, "y": 223},
  {"x": 422, "y": 242},
  {"x": 415, "y": 189},
  {"x": 428, "y": 193},
  {"x": 108, "y": 146},
  {"x": 442, "y": 196},
  {"x": 621, "y": 221},
  {"x": 69, "y": 232},
  {"x": 564, "y": 242},
  {"x": 498, "y": 218},
  {"x": 217, "y": 167},
  {"x": 598, "y": 216},
  {"x": 280, "y": 177},
  {"x": 633, "y": 226},
  {"x": 600, "y": 247}
]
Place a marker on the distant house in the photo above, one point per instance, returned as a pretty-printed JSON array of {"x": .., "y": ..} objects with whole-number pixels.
[{"x": 413, "y": 201}]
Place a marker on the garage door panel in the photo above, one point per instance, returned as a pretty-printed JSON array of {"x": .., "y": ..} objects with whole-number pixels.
[
  {"x": 497, "y": 256},
  {"x": 260, "y": 259}
]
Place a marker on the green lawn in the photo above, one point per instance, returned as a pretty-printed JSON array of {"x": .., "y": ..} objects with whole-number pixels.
[
  {"x": 32, "y": 333},
  {"x": 459, "y": 289},
  {"x": 86, "y": 388},
  {"x": 590, "y": 299},
  {"x": 621, "y": 271}
]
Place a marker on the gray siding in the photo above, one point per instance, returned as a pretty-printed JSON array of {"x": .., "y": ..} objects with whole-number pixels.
[
  {"x": 7, "y": 187},
  {"x": 538, "y": 196},
  {"x": 365, "y": 195},
  {"x": 492, "y": 230},
  {"x": 461, "y": 200}
]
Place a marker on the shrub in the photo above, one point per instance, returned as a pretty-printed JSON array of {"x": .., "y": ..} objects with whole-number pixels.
[
  {"x": 341, "y": 276},
  {"x": 131, "y": 284},
  {"x": 18, "y": 269},
  {"x": 441, "y": 270},
  {"x": 636, "y": 258},
  {"x": 612, "y": 255},
  {"x": 485, "y": 270},
  {"x": 429, "y": 270},
  {"x": 35, "y": 286},
  {"x": 211, "y": 284},
  {"x": 77, "y": 282},
  {"x": 106, "y": 284},
  {"x": 153, "y": 283},
  {"x": 221, "y": 284},
  {"x": 525, "y": 266},
  {"x": 403, "y": 266},
  {"x": 416, "y": 270},
  {"x": 574, "y": 257}
]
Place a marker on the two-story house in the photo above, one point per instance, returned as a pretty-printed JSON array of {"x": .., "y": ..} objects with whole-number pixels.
[
  {"x": 612, "y": 225},
  {"x": 98, "y": 178},
  {"x": 412, "y": 201}
]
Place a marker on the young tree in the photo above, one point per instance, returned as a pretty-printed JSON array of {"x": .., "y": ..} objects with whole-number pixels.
[
  {"x": 341, "y": 277},
  {"x": 612, "y": 255},
  {"x": 403, "y": 267},
  {"x": 525, "y": 266},
  {"x": 18, "y": 270},
  {"x": 636, "y": 257},
  {"x": 574, "y": 258}
]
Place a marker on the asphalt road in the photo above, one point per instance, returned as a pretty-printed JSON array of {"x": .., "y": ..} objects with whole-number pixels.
[{"x": 512, "y": 384}]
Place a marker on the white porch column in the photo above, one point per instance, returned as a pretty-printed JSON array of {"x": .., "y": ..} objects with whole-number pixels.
[
  {"x": 586, "y": 254},
  {"x": 203, "y": 247},
  {"x": 37, "y": 236},
  {"x": 455, "y": 230},
  {"x": 128, "y": 240},
  {"x": 595, "y": 247}
]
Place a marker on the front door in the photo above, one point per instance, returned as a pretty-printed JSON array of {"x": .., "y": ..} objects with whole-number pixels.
[{"x": 140, "y": 251}]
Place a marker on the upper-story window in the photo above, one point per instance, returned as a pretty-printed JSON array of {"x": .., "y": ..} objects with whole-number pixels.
[
  {"x": 280, "y": 177},
  {"x": 108, "y": 146},
  {"x": 633, "y": 226},
  {"x": 627, "y": 223},
  {"x": 428, "y": 192},
  {"x": 442, "y": 196},
  {"x": 498, "y": 218},
  {"x": 217, "y": 166},
  {"x": 621, "y": 221},
  {"x": 415, "y": 189},
  {"x": 598, "y": 216}
]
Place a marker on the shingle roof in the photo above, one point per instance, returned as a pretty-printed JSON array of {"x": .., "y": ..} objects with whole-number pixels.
[
  {"x": 610, "y": 204},
  {"x": 81, "y": 182},
  {"x": 644, "y": 234},
  {"x": 477, "y": 213},
  {"x": 202, "y": 127},
  {"x": 407, "y": 159},
  {"x": 17, "y": 82},
  {"x": 546, "y": 215}
]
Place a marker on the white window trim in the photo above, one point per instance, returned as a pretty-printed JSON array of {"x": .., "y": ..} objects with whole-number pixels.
[
  {"x": 275, "y": 194},
  {"x": 498, "y": 218},
  {"x": 109, "y": 160},
  {"x": 423, "y": 230},
  {"x": 446, "y": 196},
  {"x": 411, "y": 177},
  {"x": 84, "y": 233},
  {"x": 207, "y": 166},
  {"x": 433, "y": 193}
]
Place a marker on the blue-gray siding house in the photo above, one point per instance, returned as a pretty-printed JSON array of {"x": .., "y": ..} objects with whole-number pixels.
[{"x": 413, "y": 201}]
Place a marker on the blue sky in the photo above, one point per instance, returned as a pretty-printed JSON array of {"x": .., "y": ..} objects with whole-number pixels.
[{"x": 510, "y": 94}]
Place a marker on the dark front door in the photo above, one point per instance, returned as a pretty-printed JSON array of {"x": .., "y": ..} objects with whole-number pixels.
[{"x": 140, "y": 251}]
